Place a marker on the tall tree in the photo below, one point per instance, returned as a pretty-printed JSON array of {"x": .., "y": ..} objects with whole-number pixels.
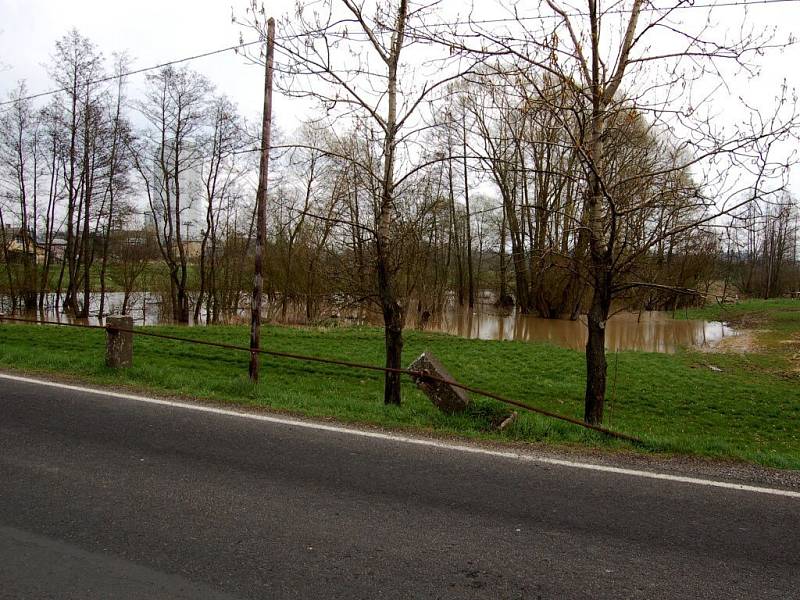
[
  {"x": 19, "y": 174},
  {"x": 117, "y": 168},
  {"x": 175, "y": 106},
  {"x": 218, "y": 171},
  {"x": 606, "y": 57},
  {"x": 76, "y": 66},
  {"x": 351, "y": 58}
]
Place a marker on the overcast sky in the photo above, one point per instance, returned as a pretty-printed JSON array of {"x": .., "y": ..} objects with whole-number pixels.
[
  {"x": 152, "y": 31},
  {"x": 155, "y": 31}
]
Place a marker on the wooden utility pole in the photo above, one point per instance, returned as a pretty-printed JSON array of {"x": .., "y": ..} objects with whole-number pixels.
[{"x": 261, "y": 200}]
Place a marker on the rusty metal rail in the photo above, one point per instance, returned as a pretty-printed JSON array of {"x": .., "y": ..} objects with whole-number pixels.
[{"x": 349, "y": 364}]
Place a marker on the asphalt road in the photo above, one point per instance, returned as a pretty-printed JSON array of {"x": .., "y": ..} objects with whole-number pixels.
[{"x": 103, "y": 497}]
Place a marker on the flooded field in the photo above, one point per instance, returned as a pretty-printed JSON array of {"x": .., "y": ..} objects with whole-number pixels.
[{"x": 645, "y": 331}]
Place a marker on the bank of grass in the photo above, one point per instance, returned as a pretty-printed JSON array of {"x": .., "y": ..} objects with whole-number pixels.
[
  {"x": 753, "y": 310},
  {"x": 675, "y": 403},
  {"x": 773, "y": 327}
]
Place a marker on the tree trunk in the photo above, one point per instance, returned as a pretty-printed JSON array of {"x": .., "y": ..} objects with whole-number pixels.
[
  {"x": 392, "y": 311},
  {"x": 601, "y": 243},
  {"x": 456, "y": 241},
  {"x": 87, "y": 193},
  {"x": 470, "y": 274},
  {"x": 393, "y": 329},
  {"x": 503, "y": 291},
  {"x": 202, "y": 272},
  {"x": 394, "y": 353},
  {"x": 596, "y": 366},
  {"x": 7, "y": 262}
]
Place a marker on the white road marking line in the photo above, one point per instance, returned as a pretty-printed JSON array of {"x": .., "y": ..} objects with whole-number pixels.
[{"x": 411, "y": 440}]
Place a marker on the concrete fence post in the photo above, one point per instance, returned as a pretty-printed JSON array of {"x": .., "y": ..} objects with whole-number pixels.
[
  {"x": 448, "y": 398},
  {"x": 119, "y": 343}
]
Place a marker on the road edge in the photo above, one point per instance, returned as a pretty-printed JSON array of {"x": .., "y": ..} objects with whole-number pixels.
[{"x": 458, "y": 445}]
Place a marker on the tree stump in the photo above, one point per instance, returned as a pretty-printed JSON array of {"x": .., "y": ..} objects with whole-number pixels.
[
  {"x": 119, "y": 343},
  {"x": 447, "y": 398}
]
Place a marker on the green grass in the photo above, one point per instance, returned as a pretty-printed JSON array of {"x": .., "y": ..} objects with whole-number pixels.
[
  {"x": 675, "y": 403},
  {"x": 155, "y": 276},
  {"x": 774, "y": 326},
  {"x": 752, "y": 310}
]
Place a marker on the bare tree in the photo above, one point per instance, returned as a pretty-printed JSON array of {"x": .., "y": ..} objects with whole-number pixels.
[
  {"x": 166, "y": 159},
  {"x": 18, "y": 175},
  {"x": 350, "y": 58},
  {"x": 117, "y": 169},
  {"x": 131, "y": 252},
  {"x": 606, "y": 59},
  {"x": 762, "y": 247},
  {"x": 218, "y": 171},
  {"x": 77, "y": 64},
  {"x": 53, "y": 157}
]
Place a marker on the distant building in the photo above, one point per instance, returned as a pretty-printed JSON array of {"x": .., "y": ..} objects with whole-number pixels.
[
  {"x": 58, "y": 249},
  {"x": 192, "y": 249},
  {"x": 21, "y": 244}
]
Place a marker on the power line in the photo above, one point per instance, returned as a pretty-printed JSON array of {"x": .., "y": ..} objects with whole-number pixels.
[
  {"x": 134, "y": 72},
  {"x": 680, "y": 5},
  {"x": 415, "y": 375},
  {"x": 683, "y": 5}
]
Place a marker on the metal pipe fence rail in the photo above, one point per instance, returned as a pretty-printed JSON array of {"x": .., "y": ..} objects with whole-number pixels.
[{"x": 344, "y": 363}]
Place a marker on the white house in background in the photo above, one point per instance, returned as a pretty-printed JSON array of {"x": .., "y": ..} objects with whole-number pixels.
[{"x": 17, "y": 240}]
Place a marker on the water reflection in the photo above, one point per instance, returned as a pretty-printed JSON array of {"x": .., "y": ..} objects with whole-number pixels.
[
  {"x": 146, "y": 308},
  {"x": 646, "y": 331}
]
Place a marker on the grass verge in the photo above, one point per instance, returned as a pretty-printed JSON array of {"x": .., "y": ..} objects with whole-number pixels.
[{"x": 748, "y": 410}]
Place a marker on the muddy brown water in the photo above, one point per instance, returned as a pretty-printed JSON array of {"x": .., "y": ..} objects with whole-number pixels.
[
  {"x": 652, "y": 331},
  {"x": 647, "y": 331}
]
